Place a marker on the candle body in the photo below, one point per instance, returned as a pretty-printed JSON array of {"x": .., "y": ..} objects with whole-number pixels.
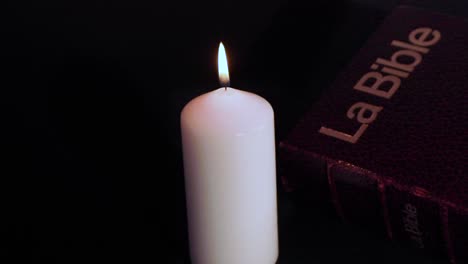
[{"x": 230, "y": 178}]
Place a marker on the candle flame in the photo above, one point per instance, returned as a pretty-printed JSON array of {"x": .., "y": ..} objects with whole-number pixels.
[{"x": 223, "y": 69}]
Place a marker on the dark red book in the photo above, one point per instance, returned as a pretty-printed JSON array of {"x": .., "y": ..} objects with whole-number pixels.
[{"x": 387, "y": 142}]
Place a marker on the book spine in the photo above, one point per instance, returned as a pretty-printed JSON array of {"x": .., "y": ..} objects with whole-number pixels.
[{"x": 408, "y": 215}]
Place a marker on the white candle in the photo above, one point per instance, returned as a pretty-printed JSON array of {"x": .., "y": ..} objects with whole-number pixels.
[{"x": 230, "y": 176}]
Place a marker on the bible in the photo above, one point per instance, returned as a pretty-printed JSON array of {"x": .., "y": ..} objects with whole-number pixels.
[{"x": 386, "y": 144}]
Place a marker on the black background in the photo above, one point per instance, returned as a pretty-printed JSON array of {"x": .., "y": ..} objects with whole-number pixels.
[{"x": 90, "y": 96}]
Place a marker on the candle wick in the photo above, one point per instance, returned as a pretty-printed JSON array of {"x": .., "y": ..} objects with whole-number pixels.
[{"x": 224, "y": 83}]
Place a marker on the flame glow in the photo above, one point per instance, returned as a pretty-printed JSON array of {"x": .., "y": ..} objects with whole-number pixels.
[{"x": 223, "y": 69}]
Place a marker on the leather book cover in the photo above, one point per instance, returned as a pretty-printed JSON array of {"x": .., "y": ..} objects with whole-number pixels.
[{"x": 391, "y": 133}]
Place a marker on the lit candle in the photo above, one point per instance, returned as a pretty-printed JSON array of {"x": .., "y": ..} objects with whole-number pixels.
[{"x": 230, "y": 175}]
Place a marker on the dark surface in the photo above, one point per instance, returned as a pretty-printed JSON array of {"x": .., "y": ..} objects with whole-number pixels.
[{"x": 90, "y": 98}]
